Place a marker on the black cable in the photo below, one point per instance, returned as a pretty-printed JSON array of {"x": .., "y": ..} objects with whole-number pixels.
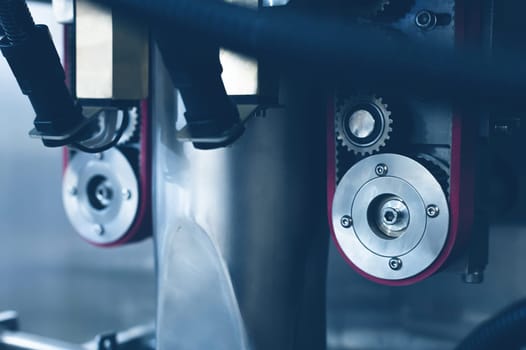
[
  {"x": 34, "y": 61},
  {"x": 107, "y": 146},
  {"x": 503, "y": 331},
  {"x": 16, "y": 20},
  {"x": 321, "y": 48},
  {"x": 195, "y": 69},
  {"x": 32, "y": 56}
]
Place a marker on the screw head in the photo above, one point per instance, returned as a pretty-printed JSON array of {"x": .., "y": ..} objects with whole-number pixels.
[
  {"x": 73, "y": 191},
  {"x": 475, "y": 277},
  {"x": 107, "y": 344},
  {"x": 395, "y": 264},
  {"x": 126, "y": 194},
  {"x": 99, "y": 156},
  {"x": 381, "y": 169},
  {"x": 346, "y": 221},
  {"x": 98, "y": 230},
  {"x": 425, "y": 19},
  {"x": 432, "y": 211}
]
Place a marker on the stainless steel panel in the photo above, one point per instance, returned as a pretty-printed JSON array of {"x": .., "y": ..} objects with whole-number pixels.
[
  {"x": 257, "y": 211},
  {"x": 63, "y": 10},
  {"x": 240, "y": 73},
  {"x": 111, "y": 54}
]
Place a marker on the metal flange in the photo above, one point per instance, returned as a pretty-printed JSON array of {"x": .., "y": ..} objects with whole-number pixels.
[
  {"x": 400, "y": 217},
  {"x": 101, "y": 196}
]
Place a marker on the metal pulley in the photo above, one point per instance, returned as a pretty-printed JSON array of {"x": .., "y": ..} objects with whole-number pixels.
[
  {"x": 390, "y": 217},
  {"x": 101, "y": 196}
]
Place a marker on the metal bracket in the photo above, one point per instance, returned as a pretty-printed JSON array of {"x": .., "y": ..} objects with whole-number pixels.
[
  {"x": 478, "y": 253},
  {"x": 273, "y": 3},
  {"x": 245, "y": 111},
  {"x": 107, "y": 341},
  {"x": 137, "y": 338},
  {"x": 9, "y": 321}
]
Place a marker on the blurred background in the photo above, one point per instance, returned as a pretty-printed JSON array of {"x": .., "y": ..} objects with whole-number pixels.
[
  {"x": 61, "y": 286},
  {"x": 64, "y": 288}
]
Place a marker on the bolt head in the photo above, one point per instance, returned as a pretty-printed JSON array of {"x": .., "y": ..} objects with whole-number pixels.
[
  {"x": 98, "y": 230},
  {"x": 425, "y": 19},
  {"x": 475, "y": 277},
  {"x": 432, "y": 211},
  {"x": 346, "y": 221},
  {"x": 107, "y": 344},
  {"x": 99, "y": 156},
  {"x": 381, "y": 170},
  {"x": 126, "y": 194},
  {"x": 73, "y": 191},
  {"x": 395, "y": 264}
]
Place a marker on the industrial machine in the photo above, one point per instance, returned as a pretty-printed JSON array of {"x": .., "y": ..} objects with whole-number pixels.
[{"x": 243, "y": 134}]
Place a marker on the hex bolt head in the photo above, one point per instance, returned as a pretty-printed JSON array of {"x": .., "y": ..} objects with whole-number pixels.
[
  {"x": 432, "y": 211},
  {"x": 346, "y": 221},
  {"x": 73, "y": 191},
  {"x": 395, "y": 264},
  {"x": 474, "y": 277},
  {"x": 381, "y": 169},
  {"x": 99, "y": 156}
]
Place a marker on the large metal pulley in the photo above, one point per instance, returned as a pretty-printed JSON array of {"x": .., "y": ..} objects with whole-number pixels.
[{"x": 390, "y": 217}]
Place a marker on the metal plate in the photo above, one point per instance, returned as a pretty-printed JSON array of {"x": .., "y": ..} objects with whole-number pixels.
[
  {"x": 425, "y": 237},
  {"x": 272, "y": 3},
  {"x": 111, "y": 54},
  {"x": 111, "y": 221}
]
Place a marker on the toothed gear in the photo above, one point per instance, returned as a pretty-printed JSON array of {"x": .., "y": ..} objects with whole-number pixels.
[
  {"x": 436, "y": 167},
  {"x": 133, "y": 123},
  {"x": 363, "y": 124}
]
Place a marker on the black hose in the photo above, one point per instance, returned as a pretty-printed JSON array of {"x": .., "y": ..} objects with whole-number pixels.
[
  {"x": 34, "y": 61},
  {"x": 506, "y": 330},
  {"x": 323, "y": 48},
  {"x": 16, "y": 20},
  {"x": 195, "y": 69}
]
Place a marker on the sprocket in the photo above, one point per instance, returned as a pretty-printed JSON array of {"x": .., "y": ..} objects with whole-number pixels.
[
  {"x": 363, "y": 124},
  {"x": 133, "y": 123},
  {"x": 437, "y": 167}
]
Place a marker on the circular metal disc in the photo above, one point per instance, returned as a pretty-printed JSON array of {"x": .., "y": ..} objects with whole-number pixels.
[
  {"x": 107, "y": 221},
  {"x": 361, "y": 123},
  {"x": 419, "y": 245}
]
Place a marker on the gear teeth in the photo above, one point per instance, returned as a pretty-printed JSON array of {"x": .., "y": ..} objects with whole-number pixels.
[
  {"x": 133, "y": 124},
  {"x": 436, "y": 167},
  {"x": 345, "y": 104}
]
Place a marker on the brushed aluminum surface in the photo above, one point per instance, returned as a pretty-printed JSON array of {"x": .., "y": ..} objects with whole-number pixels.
[
  {"x": 241, "y": 232},
  {"x": 111, "y": 52}
]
